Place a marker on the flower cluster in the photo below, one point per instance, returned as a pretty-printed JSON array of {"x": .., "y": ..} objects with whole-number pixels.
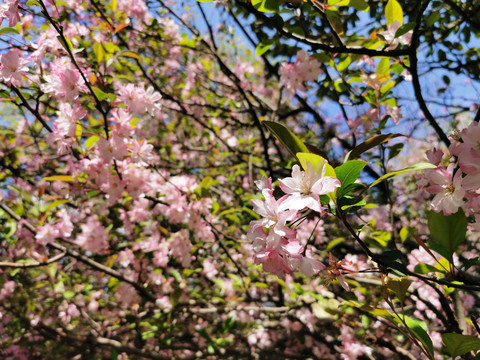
[
  {"x": 457, "y": 186},
  {"x": 274, "y": 242},
  {"x": 306, "y": 68}
]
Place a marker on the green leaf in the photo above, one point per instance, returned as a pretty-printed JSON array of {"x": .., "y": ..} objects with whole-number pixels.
[
  {"x": 66, "y": 43},
  {"x": 393, "y": 12},
  {"x": 382, "y": 237},
  {"x": 369, "y": 144},
  {"x": 33, "y": 2},
  {"x": 433, "y": 18},
  {"x": 131, "y": 54},
  {"x": 334, "y": 243},
  {"x": 419, "y": 329},
  {"x": 55, "y": 204},
  {"x": 394, "y": 150},
  {"x": 399, "y": 287},
  {"x": 266, "y": 5},
  {"x": 448, "y": 231},
  {"x": 263, "y": 47},
  {"x": 360, "y": 5},
  {"x": 386, "y": 87},
  {"x": 402, "y": 30},
  {"x": 344, "y": 64},
  {"x": 419, "y": 166},
  {"x": 383, "y": 66},
  {"x": 9, "y": 30},
  {"x": 99, "y": 52},
  {"x": 458, "y": 344},
  {"x": 348, "y": 173},
  {"x": 359, "y": 203},
  {"x": 68, "y": 294},
  {"x": 425, "y": 269},
  {"x": 91, "y": 141},
  {"x": 204, "y": 0},
  {"x": 288, "y": 139},
  {"x": 100, "y": 94},
  {"x": 176, "y": 275},
  {"x": 468, "y": 263},
  {"x": 398, "y": 268},
  {"x": 405, "y": 233}
]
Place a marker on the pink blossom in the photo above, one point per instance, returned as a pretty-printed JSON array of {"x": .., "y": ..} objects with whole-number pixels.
[
  {"x": 136, "y": 9},
  {"x": 127, "y": 295},
  {"x": 272, "y": 262},
  {"x": 125, "y": 257},
  {"x": 303, "y": 188},
  {"x": 306, "y": 68},
  {"x": 394, "y": 112},
  {"x": 64, "y": 81},
  {"x": 7, "y": 290},
  {"x": 434, "y": 156},
  {"x": 115, "y": 147},
  {"x": 65, "y": 226},
  {"x": 59, "y": 141},
  {"x": 122, "y": 119},
  {"x": 66, "y": 123},
  {"x": 264, "y": 184},
  {"x": 393, "y": 41},
  {"x": 140, "y": 100},
  {"x": 13, "y": 67},
  {"x": 209, "y": 269},
  {"x": 273, "y": 215},
  {"x": 309, "y": 266},
  {"x": 449, "y": 192},
  {"x": 367, "y": 119},
  {"x": 468, "y": 151},
  {"x": 9, "y": 9},
  {"x": 163, "y": 302},
  {"x": 114, "y": 188},
  {"x": 141, "y": 152},
  {"x": 47, "y": 234},
  {"x": 180, "y": 247},
  {"x": 94, "y": 237}
]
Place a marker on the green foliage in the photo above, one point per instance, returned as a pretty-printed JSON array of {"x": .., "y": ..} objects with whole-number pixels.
[
  {"x": 347, "y": 174},
  {"x": 288, "y": 139},
  {"x": 369, "y": 144},
  {"x": 448, "y": 231},
  {"x": 416, "y": 167},
  {"x": 459, "y": 344}
]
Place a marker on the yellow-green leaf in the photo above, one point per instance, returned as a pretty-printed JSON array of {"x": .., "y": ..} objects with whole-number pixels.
[
  {"x": 419, "y": 166},
  {"x": 59, "y": 178},
  {"x": 393, "y": 12}
]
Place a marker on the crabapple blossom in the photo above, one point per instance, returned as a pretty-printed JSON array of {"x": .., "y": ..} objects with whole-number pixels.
[
  {"x": 304, "y": 187},
  {"x": 13, "y": 67},
  {"x": 306, "y": 68},
  {"x": 64, "y": 81},
  {"x": 93, "y": 237},
  {"x": 447, "y": 188},
  {"x": 390, "y": 36},
  {"x": 9, "y": 10}
]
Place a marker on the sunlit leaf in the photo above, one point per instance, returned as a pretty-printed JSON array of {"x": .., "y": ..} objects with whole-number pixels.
[
  {"x": 59, "y": 178},
  {"x": 288, "y": 139},
  {"x": 393, "y": 12},
  {"x": 419, "y": 166}
]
